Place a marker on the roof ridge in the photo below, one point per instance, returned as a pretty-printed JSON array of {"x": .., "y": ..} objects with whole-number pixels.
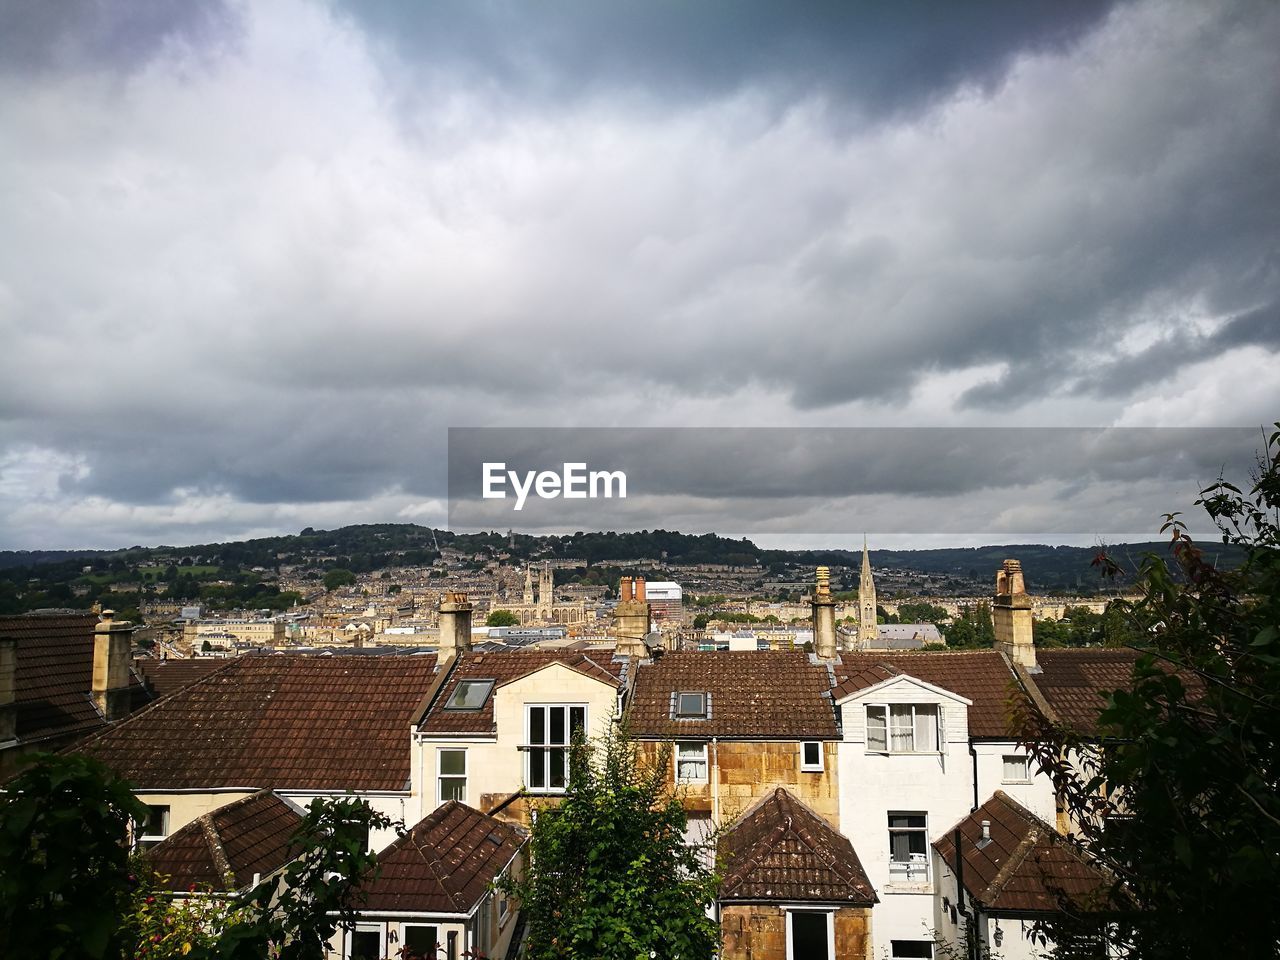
[
  {"x": 217, "y": 852},
  {"x": 1011, "y": 866},
  {"x": 433, "y": 861}
]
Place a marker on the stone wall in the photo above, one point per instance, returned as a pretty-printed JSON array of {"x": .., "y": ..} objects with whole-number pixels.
[{"x": 759, "y": 932}]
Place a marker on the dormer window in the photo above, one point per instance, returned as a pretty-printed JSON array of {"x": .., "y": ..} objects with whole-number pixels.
[
  {"x": 691, "y": 706},
  {"x": 469, "y": 695},
  {"x": 902, "y": 728}
]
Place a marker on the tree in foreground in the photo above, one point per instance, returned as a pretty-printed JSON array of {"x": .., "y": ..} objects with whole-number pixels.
[
  {"x": 68, "y": 888},
  {"x": 611, "y": 876},
  {"x": 1179, "y": 798}
]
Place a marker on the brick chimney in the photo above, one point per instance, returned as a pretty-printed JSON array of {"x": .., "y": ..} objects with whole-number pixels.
[
  {"x": 112, "y": 642},
  {"x": 631, "y": 619},
  {"x": 8, "y": 689},
  {"x": 824, "y": 617},
  {"x": 455, "y": 625},
  {"x": 1011, "y": 615}
]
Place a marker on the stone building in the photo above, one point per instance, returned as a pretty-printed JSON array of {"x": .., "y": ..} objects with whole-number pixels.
[{"x": 542, "y": 607}]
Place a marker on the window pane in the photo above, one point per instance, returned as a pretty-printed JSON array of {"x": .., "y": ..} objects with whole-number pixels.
[
  {"x": 692, "y": 705},
  {"x": 453, "y": 762},
  {"x": 1015, "y": 767},
  {"x": 557, "y": 768},
  {"x": 557, "y": 725},
  {"x": 469, "y": 695},
  {"x": 813, "y": 754},
  {"x": 537, "y": 770},
  {"x": 453, "y": 788},
  {"x": 809, "y": 935},
  {"x": 906, "y": 820},
  {"x": 876, "y": 734},
  {"x": 901, "y": 728},
  {"x": 537, "y": 725},
  {"x": 157, "y": 821},
  {"x": 366, "y": 945},
  {"x": 420, "y": 943},
  {"x": 926, "y": 728},
  {"x": 687, "y": 750},
  {"x": 912, "y": 950},
  {"x": 577, "y": 720}
]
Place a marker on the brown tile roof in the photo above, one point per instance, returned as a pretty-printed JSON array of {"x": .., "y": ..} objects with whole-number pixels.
[
  {"x": 778, "y": 694},
  {"x": 1075, "y": 683},
  {"x": 1028, "y": 866},
  {"x": 55, "y": 674},
  {"x": 444, "y": 864},
  {"x": 163, "y": 677},
  {"x": 284, "y": 721},
  {"x": 982, "y": 676},
  {"x": 227, "y": 847},
  {"x": 779, "y": 849},
  {"x": 504, "y": 667}
]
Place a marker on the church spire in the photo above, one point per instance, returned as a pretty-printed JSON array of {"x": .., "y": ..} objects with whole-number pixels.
[{"x": 868, "y": 633}]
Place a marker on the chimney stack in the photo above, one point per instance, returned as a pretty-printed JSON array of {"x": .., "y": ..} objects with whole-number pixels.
[
  {"x": 1011, "y": 616},
  {"x": 455, "y": 626},
  {"x": 112, "y": 642},
  {"x": 8, "y": 689},
  {"x": 824, "y": 617},
  {"x": 631, "y": 619}
]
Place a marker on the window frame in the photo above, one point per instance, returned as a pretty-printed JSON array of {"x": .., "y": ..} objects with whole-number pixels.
[
  {"x": 831, "y": 931},
  {"x": 705, "y": 761},
  {"x": 888, "y": 714},
  {"x": 1026, "y": 768},
  {"x": 805, "y": 766},
  {"x": 406, "y": 926},
  {"x": 365, "y": 927},
  {"x": 542, "y": 751},
  {"x": 441, "y": 777},
  {"x": 904, "y": 871},
  {"x": 682, "y": 714},
  {"x": 145, "y": 841},
  {"x": 456, "y": 708}
]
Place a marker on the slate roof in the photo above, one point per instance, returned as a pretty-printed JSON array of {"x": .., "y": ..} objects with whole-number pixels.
[
  {"x": 1075, "y": 682},
  {"x": 1027, "y": 867},
  {"x": 982, "y": 676},
  {"x": 754, "y": 694},
  {"x": 283, "y": 721},
  {"x": 226, "y": 847},
  {"x": 55, "y": 674},
  {"x": 444, "y": 864},
  {"x": 504, "y": 667},
  {"x": 163, "y": 677},
  {"x": 780, "y": 850}
]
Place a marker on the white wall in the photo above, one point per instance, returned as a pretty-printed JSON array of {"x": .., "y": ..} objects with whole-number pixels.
[
  {"x": 873, "y": 785},
  {"x": 1035, "y": 794}
]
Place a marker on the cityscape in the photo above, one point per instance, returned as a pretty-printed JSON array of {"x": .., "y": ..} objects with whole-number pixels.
[{"x": 639, "y": 480}]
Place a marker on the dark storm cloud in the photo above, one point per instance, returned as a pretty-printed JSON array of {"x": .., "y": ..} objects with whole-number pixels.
[
  {"x": 880, "y": 56},
  {"x": 113, "y": 34}
]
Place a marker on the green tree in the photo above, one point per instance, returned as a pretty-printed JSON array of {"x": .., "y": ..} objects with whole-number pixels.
[
  {"x": 611, "y": 877},
  {"x": 501, "y": 618},
  {"x": 1178, "y": 795},
  {"x": 338, "y": 577}
]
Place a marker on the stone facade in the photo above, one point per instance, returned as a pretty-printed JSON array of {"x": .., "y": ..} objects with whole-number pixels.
[
  {"x": 759, "y": 932},
  {"x": 745, "y": 771}
]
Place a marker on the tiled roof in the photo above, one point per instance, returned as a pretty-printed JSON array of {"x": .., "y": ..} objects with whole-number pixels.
[
  {"x": 781, "y": 850},
  {"x": 982, "y": 676},
  {"x": 1027, "y": 866},
  {"x": 444, "y": 864},
  {"x": 55, "y": 674},
  {"x": 163, "y": 677},
  {"x": 1075, "y": 683},
  {"x": 504, "y": 667},
  {"x": 227, "y": 847},
  {"x": 284, "y": 721},
  {"x": 778, "y": 694}
]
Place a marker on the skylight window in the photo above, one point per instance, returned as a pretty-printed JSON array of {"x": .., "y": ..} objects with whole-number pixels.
[
  {"x": 691, "y": 706},
  {"x": 469, "y": 695}
]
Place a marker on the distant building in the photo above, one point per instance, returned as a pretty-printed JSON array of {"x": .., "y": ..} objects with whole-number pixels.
[{"x": 666, "y": 600}]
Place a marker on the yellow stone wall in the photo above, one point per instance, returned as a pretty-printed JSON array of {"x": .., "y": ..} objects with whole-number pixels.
[
  {"x": 759, "y": 932},
  {"x": 745, "y": 771}
]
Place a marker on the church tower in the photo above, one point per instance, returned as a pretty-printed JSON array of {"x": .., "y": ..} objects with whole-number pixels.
[
  {"x": 528, "y": 585},
  {"x": 546, "y": 591},
  {"x": 867, "y": 632}
]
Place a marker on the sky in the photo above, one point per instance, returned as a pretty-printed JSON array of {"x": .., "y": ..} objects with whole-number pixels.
[{"x": 257, "y": 258}]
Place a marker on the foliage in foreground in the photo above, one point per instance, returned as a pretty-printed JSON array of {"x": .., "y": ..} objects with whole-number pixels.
[
  {"x": 1179, "y": 799},
  {"x": 68, "y": 888},
  {"x": 611, "y": 876}
]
